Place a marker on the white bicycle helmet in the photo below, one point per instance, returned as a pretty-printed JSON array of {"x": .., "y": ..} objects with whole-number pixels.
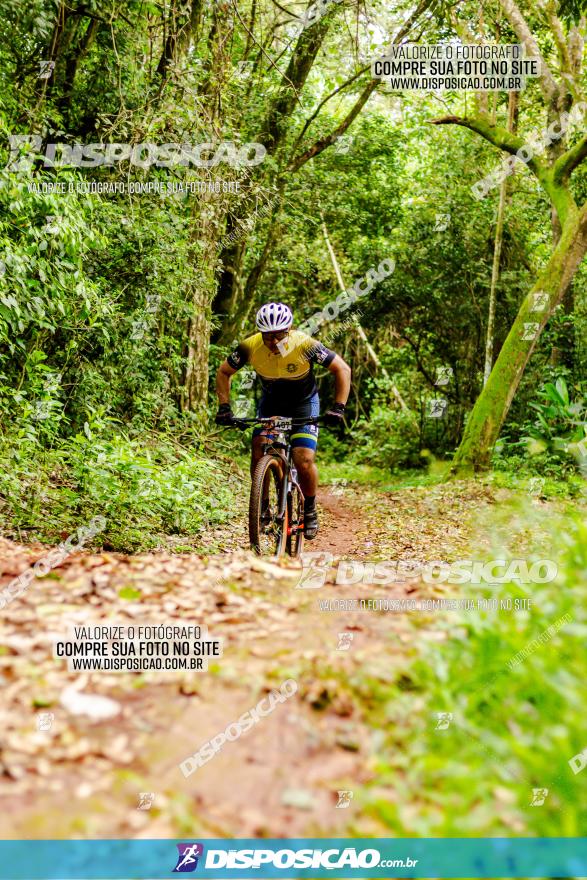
[{"x": 274, "y": 316}]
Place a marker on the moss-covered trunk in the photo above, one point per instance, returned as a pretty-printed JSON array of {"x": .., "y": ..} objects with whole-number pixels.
[{"x": 491, "y": 408}]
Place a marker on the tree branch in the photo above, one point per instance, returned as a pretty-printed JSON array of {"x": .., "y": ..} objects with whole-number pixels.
[
  {"x": 551, "y": 178},
  {"x": 559, "y": 38},
  {"x": 292, "y": 82},
  {"x": 495, "y": 134},
  {"x": 178, "y": 38},
  {"x": 310, "y": 119},
  {"x": 329, "y": 139},
  {"x": 566, "y": 164},
  {"x": 326, "y": 141},
  {"x": 547, "y": 82}
]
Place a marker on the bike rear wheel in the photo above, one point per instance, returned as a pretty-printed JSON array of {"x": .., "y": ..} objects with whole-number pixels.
[{"x": 267, "y": 533}]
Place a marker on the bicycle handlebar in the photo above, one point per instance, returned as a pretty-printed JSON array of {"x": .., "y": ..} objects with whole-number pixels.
[{"x": 295, "y": 423}]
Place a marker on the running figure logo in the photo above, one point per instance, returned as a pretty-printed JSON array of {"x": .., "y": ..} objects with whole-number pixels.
[
  {"x": 187, "y": 860},
  {"x": 314, "y": 572}
]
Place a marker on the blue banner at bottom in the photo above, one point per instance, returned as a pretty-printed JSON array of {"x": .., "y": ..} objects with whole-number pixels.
[{"x": 288, "y": 858}]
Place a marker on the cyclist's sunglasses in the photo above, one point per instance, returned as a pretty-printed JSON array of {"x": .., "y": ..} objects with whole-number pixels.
[{"x": 278, "y": 336}]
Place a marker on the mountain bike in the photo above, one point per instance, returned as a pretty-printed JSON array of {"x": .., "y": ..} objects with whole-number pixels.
[{"x": 276, "y": 504}]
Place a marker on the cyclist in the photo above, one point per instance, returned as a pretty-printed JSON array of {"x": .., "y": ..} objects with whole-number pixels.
[{"x": 283, "y": 360}]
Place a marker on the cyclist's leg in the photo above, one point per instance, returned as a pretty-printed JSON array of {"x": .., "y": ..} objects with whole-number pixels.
[
  {"x": 304, "y": 460},
  {"x": 304, "y": 441}
]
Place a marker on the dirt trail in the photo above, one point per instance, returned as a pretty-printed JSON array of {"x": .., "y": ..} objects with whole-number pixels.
[{"x": 281, "y": 778}]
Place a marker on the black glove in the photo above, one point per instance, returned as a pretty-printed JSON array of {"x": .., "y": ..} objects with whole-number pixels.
[
  {"x": 224, "y": 415},
  {"x": 335, "y": 415}
]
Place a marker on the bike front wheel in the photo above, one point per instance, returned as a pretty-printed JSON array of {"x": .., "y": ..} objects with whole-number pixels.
[
  {"x": 295, "y": 525},
  {"x": 267, "y": 531}
]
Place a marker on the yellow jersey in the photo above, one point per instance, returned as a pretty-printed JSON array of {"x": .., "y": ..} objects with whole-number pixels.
[{"x": 286, "y": 375}]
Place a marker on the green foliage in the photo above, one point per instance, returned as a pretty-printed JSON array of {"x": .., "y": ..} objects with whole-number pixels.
[
  {"x": 555, "y": 442},
  {"x": 515, "y": 722},
  {"x": 97, "y": 291},
  {"x": 559, "y": 421},
  {"x": 571, "y": 11},
  {"x": 387, "y": 440},
  {"x": 147, "y": 488}
]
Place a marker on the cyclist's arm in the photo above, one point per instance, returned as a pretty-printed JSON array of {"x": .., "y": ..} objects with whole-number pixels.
[
  {"x": 342, "y": 379},
  {"x": 223, "y": 379}
]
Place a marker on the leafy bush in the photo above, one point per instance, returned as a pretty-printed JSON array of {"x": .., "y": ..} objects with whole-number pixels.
[
  {"x": 555, "y": 442},
  {"x": 560, "y": 421},
  {"x": 387, "y": 440},
  {"x": 147, "y": 488}
]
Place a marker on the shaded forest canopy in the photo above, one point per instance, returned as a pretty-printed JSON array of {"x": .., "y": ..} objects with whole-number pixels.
[{"x": 267, "y": 163}]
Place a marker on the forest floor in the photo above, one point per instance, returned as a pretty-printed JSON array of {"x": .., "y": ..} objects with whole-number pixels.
[{"x": 84, "y": 777}]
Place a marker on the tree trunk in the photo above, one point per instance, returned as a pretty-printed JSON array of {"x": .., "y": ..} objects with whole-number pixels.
[
  {"x": 234, "y": 322},
  {"x": 493, "y": 403},
  {"x": 512, "y": 114},
  {"x": 205, "y": 243},
  {"x": 204, "y": 253},
  {"x": 182, "y": 26},
  {"x": 229, "y": 294}
]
